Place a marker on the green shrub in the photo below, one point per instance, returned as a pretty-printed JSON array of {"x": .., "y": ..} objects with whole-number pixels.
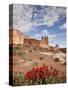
[{"x": 23, "y": 55}]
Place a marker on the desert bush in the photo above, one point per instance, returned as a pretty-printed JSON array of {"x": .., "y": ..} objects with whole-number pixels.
[
  {"x": 63, "y": 50},
  {"x": 64, "y": 63},
  {"x": 30, "y": 50},
  {"x": 17, "y": 47},
  {"x": 35, "y": 63},
  {"x": 22, "y": 54},
  {"x": 41, "y": 58},
  {"x": 18, "y": 80},
  {"x": 56, "y": 59}
]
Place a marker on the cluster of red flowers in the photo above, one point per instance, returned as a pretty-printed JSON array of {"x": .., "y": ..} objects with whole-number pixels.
[{"x": 40, "y": 73}]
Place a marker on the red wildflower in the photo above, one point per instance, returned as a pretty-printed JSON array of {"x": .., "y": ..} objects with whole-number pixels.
[
  {"x": 33, "y": 70},
  {"x": 42, "y": 72},
  {"x": 37, "y": 69},
  {"x": 46, "y": 68},
  {"x": 29, "y": 75},
  {"x": 42, "y": 75},
  {"x": 37, "y": 75},
  {"x": 47, "y": 74},
  {"x": 42, "y": 69},
  {"x": 55, "y": 72}
]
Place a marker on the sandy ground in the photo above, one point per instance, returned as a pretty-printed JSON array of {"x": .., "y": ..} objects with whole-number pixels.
[{"x": 35, "y": 58}]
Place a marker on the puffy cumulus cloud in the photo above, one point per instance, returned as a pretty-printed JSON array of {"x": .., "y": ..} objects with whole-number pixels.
[
  {"x": 63, "y": 27},
  {"x": 25, "y": 17}
]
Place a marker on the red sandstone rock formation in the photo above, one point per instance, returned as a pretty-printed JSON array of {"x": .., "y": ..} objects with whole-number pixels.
[
  {"x": 15, "y": 37},
  {"x": 31, "y": 42},
  {"x": 44, "y": 42}
]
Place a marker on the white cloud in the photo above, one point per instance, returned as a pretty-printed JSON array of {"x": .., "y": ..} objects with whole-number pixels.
[
  {"x": 53, "y": 14},
  {"x": 63, "y": 27},
  {"x": 22, "y": 16},
  {"x": 45, "y": 33},
  {"x": 52, "y": 37},
  {"x": 39, "y": 35}
]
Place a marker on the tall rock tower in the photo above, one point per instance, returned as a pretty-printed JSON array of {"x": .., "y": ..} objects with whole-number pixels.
[{"x": 44, "y": 42}]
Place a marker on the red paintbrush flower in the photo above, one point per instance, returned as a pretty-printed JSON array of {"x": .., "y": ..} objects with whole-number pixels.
[
  {"x": 42, "y": 72},
  {"x": 42, "y": 69},
  {"x": 42, "y": 75},
  {"x": 55, "y": 72},
  {"x": 37, "y": 69},
  {"x": 29, "y": 75},
  {"x": 37, "y": 75},
  {"x": 46, "y": 68},
  {"x": 37, "y": 72}
]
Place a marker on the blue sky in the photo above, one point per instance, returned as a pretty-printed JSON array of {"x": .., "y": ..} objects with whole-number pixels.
[{"x": 37, "y": 21}]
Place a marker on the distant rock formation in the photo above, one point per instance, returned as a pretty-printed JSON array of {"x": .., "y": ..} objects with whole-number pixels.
[
  {"x": 16, "y": 37},
  {"x": 56, "y": 47}
]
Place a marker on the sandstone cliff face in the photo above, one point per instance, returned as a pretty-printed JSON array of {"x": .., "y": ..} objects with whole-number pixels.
[
  {"x": 31, "y": 42},
  {"x": 15, "y": 37}
]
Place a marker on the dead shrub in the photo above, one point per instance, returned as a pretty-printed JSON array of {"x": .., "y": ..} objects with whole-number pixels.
[
  {"x": 56, "y": 59},
  {"x": 41, "y": 58},
  {"x": 30, "y": 51}
]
